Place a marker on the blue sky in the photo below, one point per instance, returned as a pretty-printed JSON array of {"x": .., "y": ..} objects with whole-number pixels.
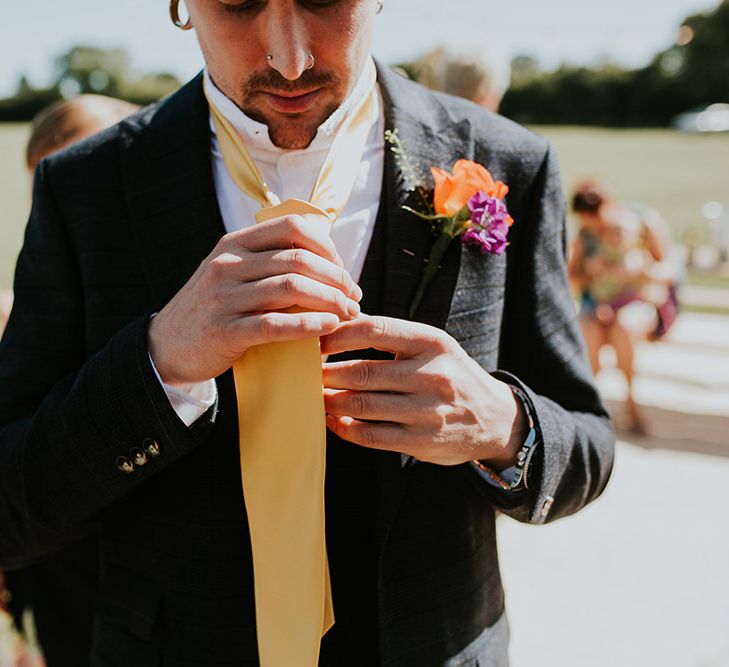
[{"x": 579, "y": 31}]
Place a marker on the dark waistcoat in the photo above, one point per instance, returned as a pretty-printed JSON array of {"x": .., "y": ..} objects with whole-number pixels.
[{"x": 350, "y": 510}]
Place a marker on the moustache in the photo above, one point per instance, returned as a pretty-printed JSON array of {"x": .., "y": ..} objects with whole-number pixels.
[{"x": 273, "y": 81}]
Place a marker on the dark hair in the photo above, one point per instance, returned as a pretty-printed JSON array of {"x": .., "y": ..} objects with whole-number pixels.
[{"x": 589, "y": 196}]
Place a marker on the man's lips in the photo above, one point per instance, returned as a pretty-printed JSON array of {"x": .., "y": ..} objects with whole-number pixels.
[{"x": 296, "y": 102}]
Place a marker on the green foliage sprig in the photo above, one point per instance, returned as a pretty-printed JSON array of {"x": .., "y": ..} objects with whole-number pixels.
[{"x": 412, "y": 175}]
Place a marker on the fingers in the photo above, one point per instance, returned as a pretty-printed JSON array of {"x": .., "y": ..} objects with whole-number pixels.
[
  {"x": 386, "y": 437},
  {"x": 288, "y": 291},
  {"x": 365, "y": 375},
  {"x": 288, "y": 232},
  {"x": 405, "y": 339},
  {"x": 297, "y": 261},
  {"x": 281, "y": 327},
  {"x": 373, "y": 406}
]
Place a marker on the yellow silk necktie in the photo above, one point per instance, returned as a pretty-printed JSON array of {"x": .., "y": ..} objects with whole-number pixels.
[{"x": 281, "y": 421}]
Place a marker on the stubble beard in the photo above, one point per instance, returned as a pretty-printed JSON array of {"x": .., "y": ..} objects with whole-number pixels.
[
  {"x": 294, "y": 131},
  {"x": 289, "y": 131}
]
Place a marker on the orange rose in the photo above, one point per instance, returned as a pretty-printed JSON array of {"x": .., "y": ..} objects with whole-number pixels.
[{"x": 452, "y": 191}]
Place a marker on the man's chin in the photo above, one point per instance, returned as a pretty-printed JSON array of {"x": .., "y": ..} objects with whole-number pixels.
[
  {"x": 292, "y": 138},
  {"x": 294, "y": 130}
]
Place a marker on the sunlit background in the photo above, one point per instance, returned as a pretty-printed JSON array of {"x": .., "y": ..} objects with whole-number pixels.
[
  {"x": 624, "y": 31},
  {"x": 629, "y": 91}
]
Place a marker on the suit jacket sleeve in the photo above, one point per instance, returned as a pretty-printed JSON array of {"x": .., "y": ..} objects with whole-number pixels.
[
  {"x": 66, "y": 416},
  {"x": 543, "y": 352}
]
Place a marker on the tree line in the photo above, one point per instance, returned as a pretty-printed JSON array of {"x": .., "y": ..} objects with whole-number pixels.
[
  {"x": 86, "y": 69},
  {"x": 693, "y": 72}
]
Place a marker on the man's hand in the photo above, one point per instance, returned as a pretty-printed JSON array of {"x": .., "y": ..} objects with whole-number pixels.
[
  {"x": 432, "y": 401},
  {"x": 235, "y": 298}
]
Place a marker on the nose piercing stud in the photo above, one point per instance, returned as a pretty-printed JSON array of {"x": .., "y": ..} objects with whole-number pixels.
[{"x": 309, "y": 61}]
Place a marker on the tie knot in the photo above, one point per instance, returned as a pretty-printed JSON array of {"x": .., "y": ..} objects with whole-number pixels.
[{"x": 295, "y": 207}]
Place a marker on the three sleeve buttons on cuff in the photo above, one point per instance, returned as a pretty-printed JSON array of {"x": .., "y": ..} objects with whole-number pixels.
[
  {"x": 125, "y": 465},
  {"x": 138, "y": 456},
  {"x": 151, "y": 446}
]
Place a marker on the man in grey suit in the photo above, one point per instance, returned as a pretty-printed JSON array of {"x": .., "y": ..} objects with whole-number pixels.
[{"x": 142, "y": 278}]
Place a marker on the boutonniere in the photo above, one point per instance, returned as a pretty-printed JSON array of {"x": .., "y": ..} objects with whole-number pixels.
[{"x": 467, "y": 204}]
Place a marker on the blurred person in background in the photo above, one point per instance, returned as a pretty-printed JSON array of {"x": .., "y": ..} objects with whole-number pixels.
[
  {"x": 61, "y": 590},
  {"x": 480, "y": 76},
  {"x": 68, "y": 121},
  {"x": 620, "y": 270},
  {"x": 57, "y": 126}
]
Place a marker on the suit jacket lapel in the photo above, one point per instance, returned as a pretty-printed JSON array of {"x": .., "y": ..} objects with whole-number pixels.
[
  {"x": 170, "y": 191},
  {"x": 409, "y": 238},
  {"x": 429, "y": 141}
]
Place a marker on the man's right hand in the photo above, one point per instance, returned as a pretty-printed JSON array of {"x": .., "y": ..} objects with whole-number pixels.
[{"x": 236, "y": 297}]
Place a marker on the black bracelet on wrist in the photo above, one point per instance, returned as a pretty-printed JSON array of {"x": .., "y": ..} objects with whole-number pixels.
[{"x": 525, "y": 454}]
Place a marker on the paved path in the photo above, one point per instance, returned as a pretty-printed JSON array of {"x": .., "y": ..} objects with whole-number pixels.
[
  {"x": 641, "y": 577},
  {"x": 705, "y": 297}
]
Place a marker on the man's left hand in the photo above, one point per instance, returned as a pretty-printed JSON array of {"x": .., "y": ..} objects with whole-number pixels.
[{"x": 432, "y": 402}]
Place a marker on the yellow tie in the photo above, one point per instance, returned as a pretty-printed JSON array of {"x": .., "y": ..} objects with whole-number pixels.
[{"x": 281, "y": 421}]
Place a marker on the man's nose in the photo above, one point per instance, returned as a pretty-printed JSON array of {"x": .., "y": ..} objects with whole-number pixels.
[{"x": 287, "y": 40}]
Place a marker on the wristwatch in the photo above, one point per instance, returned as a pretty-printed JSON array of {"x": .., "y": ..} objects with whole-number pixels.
[{"x": 516, "y": 478}]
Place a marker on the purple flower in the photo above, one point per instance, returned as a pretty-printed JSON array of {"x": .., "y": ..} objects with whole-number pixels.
[
  {"x": 490, "y": 224},
  {"x": 493, "y": 241},
  {"x": 487, "y": 210}
]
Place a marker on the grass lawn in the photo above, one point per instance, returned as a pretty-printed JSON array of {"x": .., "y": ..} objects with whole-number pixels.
[
  {"x": 701, "y": 279},
  {"x": 676, "y": 173},
  {"x": 14, "y": 195}
]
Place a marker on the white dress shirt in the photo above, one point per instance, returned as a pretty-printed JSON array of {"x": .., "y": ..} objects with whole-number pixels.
[{"x": 290, "y": 174}]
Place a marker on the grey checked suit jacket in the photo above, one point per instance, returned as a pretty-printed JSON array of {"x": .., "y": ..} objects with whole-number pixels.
[{"x": 119, "y": 222}]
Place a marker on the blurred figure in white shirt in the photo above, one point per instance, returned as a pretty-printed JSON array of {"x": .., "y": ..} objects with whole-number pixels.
[{"x": 477, "y": 75}]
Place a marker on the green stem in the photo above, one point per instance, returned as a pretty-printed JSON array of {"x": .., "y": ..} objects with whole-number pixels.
[
  {"x": 431, "y": 268},
  {"x": 430, "y": 218}
]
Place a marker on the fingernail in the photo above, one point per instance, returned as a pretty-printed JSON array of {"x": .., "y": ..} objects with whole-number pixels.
[
  {"x": 357, "y": 292},
  {"x": 353, "y": 309}
]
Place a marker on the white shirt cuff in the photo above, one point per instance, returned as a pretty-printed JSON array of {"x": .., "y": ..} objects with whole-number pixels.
[{"x": 189, "y": 401}]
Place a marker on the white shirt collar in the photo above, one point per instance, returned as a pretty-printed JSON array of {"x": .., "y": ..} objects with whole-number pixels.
[{"x": 256, "y": 133}]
